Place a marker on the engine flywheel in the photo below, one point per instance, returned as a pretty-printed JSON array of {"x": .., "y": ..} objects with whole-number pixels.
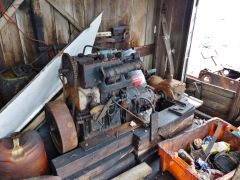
[{"x": 62, "y": 126}]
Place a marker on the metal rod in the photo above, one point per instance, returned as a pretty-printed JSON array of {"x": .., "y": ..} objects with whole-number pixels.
[{"x": 127, "y": 110}]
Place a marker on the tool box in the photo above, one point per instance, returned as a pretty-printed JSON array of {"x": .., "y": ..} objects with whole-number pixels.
[{"x": 167, "y": 150}]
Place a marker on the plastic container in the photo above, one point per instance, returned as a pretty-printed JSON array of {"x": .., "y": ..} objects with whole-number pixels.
[{"x": 168, "y": 149}]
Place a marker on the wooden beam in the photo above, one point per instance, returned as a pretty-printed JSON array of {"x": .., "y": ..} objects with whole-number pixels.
[
  {"x": 78, "y": 159},
  {"x": 167, "y": 44},
  {"x": 136, "y": 173},
  {"x": 10, "y": 11},
  {"x": 102, "y": 166},
  {"x": 58, "y": 7}
]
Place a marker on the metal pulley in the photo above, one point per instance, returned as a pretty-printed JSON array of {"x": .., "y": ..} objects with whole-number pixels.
[{"x": 62, "y": 126}]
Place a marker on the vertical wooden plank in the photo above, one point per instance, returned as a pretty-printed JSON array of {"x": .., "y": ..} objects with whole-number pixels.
[
  {"x": 2, "y": 62},
  {"x": 23, "y": 16},
  {"x": 92, "y": 8},
  {"x": 11, "y": 44},
  {"x": 149, "y": 32},
  {"x": 44, "y": 26},
  {"x": 79, "y": 16},
  {"x": 123, "y": 12},
  {"x": 109, "y": 16},
  {"x": 61, "y": 24},
  {"x": 138, "y": 22},
  {"x": 178, "y": 17},
  {"x": 44, "y": 13},
  {"x": 5, "y": 5},
  {"x": 160, "y": 54}
]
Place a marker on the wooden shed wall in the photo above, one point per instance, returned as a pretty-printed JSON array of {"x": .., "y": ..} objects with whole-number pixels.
[{"x": 42, "y": 21}]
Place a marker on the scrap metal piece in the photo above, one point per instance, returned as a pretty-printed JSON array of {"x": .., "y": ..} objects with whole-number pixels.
[
  {"x": 104, "y": 110},
  {"x": 215, "y": 136},
  {"x": 62, "y": 127},
  {"x": 218, "y": 80}
]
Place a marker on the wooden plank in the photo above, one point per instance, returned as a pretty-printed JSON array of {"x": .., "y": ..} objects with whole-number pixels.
[
  {"x": 95, "y": 6},
  {"x": 101, "y": 166},
  {"x": 79, "y": 16},
  {"x": 23, "y": 17},
  {"x": 181, "y": 18},
  {"x": 136, "y": 173},
  {"x": 167, "y": 44},
  {"x": 61, "y": 10},
  {"x": 214, "y": 89},
  {"x": 137, "y": 23},
  {"x": 2, "y": 63},
  {"x": 61, "y": 24},
  {"x": 216, "y": 106},
  {"x": 212, "y": 112},
  {"x": 216, "y": 98},
  {"x": 10, "y": 11},
  {"x": 149, "y": 31},
  {"x": 124, "y": 164},
  {"x": 145, "y": 50},
  {"x": 109, "y": 16},
  {"x": 45, "y": 21},
  {"x": 159, "y": 55},
  {"x": 11, "y": 44},
  {"x": 78, "y": 159}
]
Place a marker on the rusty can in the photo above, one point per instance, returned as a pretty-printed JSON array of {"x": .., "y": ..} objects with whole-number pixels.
[{"x": 22, "y": 156}]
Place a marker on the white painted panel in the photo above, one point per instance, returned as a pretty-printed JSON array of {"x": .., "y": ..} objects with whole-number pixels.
[{"x": 28, "y": 102}]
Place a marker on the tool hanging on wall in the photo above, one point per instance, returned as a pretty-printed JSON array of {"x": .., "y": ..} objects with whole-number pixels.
[{"x": 116, "y": 35}]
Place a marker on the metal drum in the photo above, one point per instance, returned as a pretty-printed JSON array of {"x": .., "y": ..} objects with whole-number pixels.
[{"x": 22, "y": 156}]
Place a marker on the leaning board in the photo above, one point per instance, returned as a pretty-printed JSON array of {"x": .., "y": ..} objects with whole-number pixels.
[{"x": 28, "y": 102}]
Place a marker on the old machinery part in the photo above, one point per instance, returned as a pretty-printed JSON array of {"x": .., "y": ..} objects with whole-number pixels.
[
  {"x": 175, "y": 117},
  {"x": 62, "y": 126},
  {"x": 172, "y": 90},
  {"x": 22, "y": 156},
  {"x": 127, "y": 110},
  {"x": 154, "y": 80},
  {"x": 84, "y": 97},
  {"x": 105, "y": 109},
  {"x": 70, "y": 72},
  {"x": 116, "y": 70},
  {"x": 218, "y": 80},
  {"x": 94, "y": 69}
]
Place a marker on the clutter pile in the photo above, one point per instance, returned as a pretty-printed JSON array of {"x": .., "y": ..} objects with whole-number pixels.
[
  {"x": 221, "y": 160},
  {"x": 209, "y": 151}
]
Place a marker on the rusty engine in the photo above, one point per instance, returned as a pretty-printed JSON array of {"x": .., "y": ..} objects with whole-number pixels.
[{"x": 107, "y": 89}]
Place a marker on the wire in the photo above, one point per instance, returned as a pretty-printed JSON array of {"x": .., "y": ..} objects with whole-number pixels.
[{"x": 10, "y": 20}]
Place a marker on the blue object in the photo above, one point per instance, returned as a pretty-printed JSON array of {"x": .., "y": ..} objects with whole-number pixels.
[
  {"x": 202, "y": 164},
  {"x": 236, "y": 133},
  {"x": 206, "y": 140}
]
